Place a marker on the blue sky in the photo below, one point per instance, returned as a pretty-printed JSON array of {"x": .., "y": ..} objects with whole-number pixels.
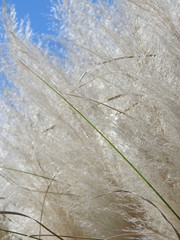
[{"x": 36, "y": 10}]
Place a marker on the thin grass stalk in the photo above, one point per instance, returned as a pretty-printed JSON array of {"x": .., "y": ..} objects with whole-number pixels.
[{"x": 105, "y": 138}]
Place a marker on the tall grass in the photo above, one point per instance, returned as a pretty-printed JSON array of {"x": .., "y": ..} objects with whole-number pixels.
[{"x": 117, "y": 80}]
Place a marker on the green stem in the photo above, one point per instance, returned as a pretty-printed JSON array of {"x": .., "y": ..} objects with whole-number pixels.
[{"x": 105, "y": 138}]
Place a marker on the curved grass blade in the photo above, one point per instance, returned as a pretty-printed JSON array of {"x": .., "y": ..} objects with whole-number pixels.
[
  {"x": 26, "y": 216},
  {"x": 43, "y": 204},
  {"x": 19, "y": 234},
  {"x": 103, "y": 136}
]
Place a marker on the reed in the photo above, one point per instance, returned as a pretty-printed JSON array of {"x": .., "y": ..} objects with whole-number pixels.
[{"x": 90, "y": 138}]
